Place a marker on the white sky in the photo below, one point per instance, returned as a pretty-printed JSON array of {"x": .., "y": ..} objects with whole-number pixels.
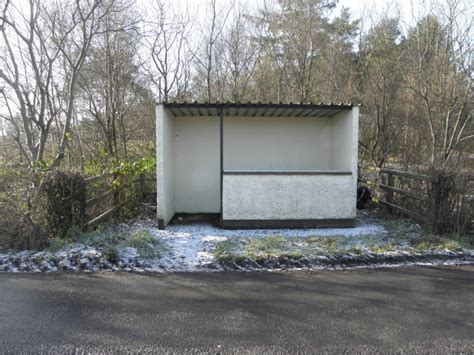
[
  {"x": 357, "y": 7},
  {"x": 410, "y": 10}
]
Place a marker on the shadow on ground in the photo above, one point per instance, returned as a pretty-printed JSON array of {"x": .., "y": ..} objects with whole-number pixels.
[{"x": 400, "y": 308}]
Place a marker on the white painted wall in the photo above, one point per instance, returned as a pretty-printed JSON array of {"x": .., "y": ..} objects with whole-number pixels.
[
  {"x": 273, "y": 197},
  {"x": 277, "y": 143},
  {"x": 165, "y": 164},
  {"x": 355, "y": 141},
  {"x": 197, "y": 164},
  {"x": 188, "y": 166},
  {"x": 341, "y": 142},
  {"x": 267, "y": 197}
]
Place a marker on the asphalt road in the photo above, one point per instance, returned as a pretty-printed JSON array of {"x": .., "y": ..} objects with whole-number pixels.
[{"x": 411, "y": 309}]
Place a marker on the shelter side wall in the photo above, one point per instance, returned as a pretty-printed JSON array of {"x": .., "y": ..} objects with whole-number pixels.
[
  {"x": 341, "y": 141},
  {"x": 197, "y": 164},
  {"x": 165, "y": 165},
  {"x": 277, "y": 143},
  {"x": 288, "y": 197},
  {"x": 345, "y": 142},
  {"x": 355, "y": 141}
]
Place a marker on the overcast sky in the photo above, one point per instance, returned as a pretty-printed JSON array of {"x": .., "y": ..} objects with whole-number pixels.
[{"x": 409, "y": 9}]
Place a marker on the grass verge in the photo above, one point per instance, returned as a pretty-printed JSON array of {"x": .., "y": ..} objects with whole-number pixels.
[
  {"x": 147, "y": 246},
  {"x": 399, "y": 235}
]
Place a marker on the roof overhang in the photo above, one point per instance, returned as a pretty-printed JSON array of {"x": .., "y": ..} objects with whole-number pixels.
[{"x": 256, "y": 109}]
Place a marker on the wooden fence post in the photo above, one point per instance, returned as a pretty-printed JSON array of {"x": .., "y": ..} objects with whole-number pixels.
[
  {"x": 116, "y": 196},
  {"x": 141, "y": 182},
  {"x": 86, "y": 198},
  {"x": 438, "y": 186},
  {"x": 391, "y": 183}
]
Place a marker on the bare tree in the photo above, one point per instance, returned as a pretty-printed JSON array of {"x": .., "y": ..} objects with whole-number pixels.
[
  {"x": 168, "y": 47},
  {"x": 275, "y": 45},
  {"x": 240, "y": 57},
  {"x": 438, "y": 73},
  {"x": 107, "y": 80},
  {"x": 46, "y": 49},
  {"x": 211, "y": 33},
  {"x": 379, "y": 91},
  {"x": 338, "y": 58},
  {"x": 292, "y": 35}
]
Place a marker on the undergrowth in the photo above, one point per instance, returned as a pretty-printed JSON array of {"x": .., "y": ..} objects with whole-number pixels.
[{"x": 147, "y": 246}]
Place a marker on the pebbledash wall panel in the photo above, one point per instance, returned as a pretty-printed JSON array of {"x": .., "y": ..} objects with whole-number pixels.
[{"x": 266, "y": 197}]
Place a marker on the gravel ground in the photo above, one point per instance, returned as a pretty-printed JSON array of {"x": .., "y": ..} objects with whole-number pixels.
[{"x": 192, "y": 245}]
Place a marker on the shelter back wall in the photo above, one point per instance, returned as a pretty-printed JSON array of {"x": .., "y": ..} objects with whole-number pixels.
[
  {"x": 250, "y": 143},
  {"x": 277, "y": 143}
]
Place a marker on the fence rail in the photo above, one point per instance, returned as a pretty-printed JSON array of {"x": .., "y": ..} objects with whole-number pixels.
[
  {"x": 97, "y": 208},
  {"x": 97, "y": 177},
  {"x": 430, "y": 200},
  {"x": 411, "y": 194},
  {"x": 399, "y": 186},
  {"x": 409, "y": 175}
]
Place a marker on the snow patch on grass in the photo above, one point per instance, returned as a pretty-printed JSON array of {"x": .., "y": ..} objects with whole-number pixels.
[{"x": 193, "y": 246}]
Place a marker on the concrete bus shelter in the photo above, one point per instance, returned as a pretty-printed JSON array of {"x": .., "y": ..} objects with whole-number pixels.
[{"x": 258, "y": 165}]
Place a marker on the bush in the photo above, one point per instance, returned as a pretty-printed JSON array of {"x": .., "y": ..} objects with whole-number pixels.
[
  {"x": 110, "y": 253},
  {"x": 65, "y": 201},
  {"x": 57, "y": 207},
  {"x": 56, "y": 244},
  {"x": 21, "y": 224},
  {"x": 32, "y": 219},
  {"x": 147, "y": 246}
]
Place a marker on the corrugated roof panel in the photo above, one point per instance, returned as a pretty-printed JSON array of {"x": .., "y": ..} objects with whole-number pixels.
[
  {"x": 233, "y": 111},
  {"x": 309, "y": 112},
  {"x": 291, "y": 112},
  {"x": 256, "y": 109},
  {"x": 189, "y": 111},
  {"x": 278, "y": 112},
  {"x": 324, "y": 112},
  {"x": 216, "y": 111},
  {"x": 200, "y": 112},
  {"x": 173, "y": 111},
  {"x": 333, "y": 112},
  {"x": 260, "y": 111},
  {"x": 270, "y": 111}
]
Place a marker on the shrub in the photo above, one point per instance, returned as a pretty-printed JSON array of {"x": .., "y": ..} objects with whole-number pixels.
[
  {"x": 65, "y": 201},
  {"x": 30, "y": 219},
  {"x": 110, "y": 253},
  {"x": 146, "y": 245},
  {"x": 21, "y": 223},
  {"x": 226, "y": 250},
  {"x": 56, "y": 244}
]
